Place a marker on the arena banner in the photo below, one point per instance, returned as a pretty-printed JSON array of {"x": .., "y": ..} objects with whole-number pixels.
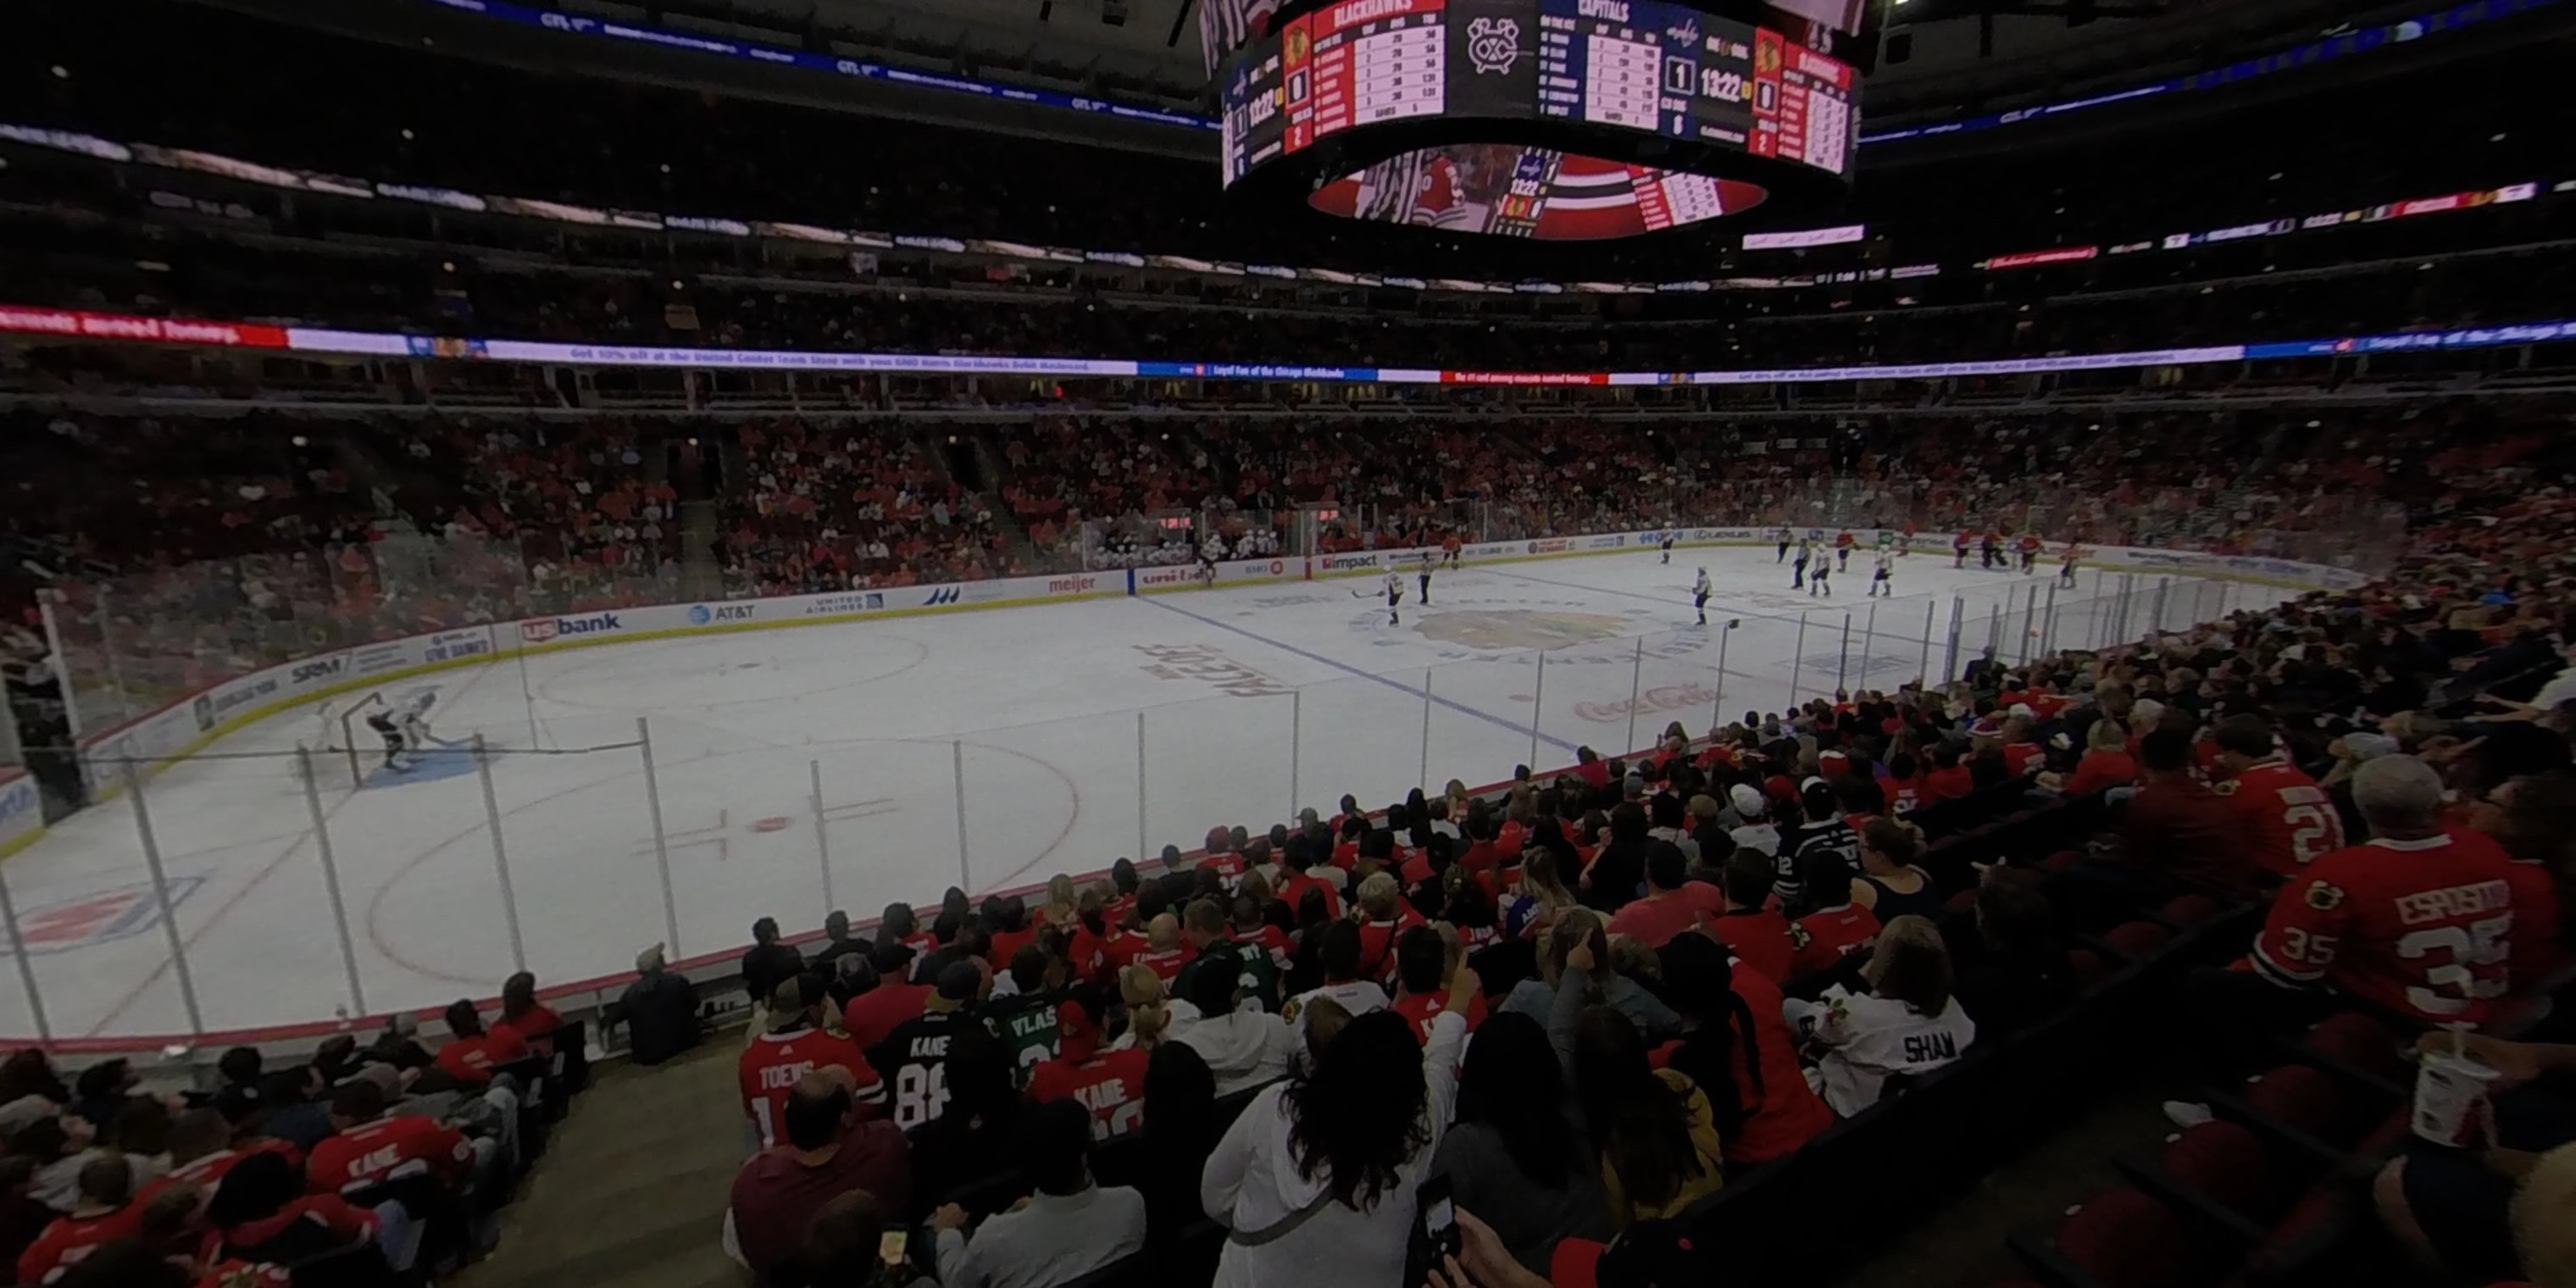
[
  {"x": 108, "y": 326},
  {"x": 435, "y": 648},
  {"x": 1229, "y": 572}
]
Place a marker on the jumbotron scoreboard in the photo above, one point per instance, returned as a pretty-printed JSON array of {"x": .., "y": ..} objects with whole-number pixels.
[{"x": 1483, "y": 114}]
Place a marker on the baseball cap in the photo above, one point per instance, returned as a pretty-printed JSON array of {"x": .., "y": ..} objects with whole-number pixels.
[
  {"x": 1077, "y": 1033},
  {"x": 1748, "y": 802}
]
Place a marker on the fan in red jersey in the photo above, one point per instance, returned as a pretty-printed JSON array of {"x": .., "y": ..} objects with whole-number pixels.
[
  {"x": 367, "y": 1146},
  {"x": 2419, "y": 918},
  {"x": 2289, "y": 821},
  {"x": 1108, "y": 1084},
  {"x": 1423, "y": 963},
  {"x": 794, "y": 1046}
]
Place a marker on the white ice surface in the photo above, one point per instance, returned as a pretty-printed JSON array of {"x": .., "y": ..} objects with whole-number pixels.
[{"x": 1039, "y": 705}]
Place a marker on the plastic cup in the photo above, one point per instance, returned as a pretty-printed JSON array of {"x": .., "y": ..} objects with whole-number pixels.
[{"x": 2451, "y": 1099}]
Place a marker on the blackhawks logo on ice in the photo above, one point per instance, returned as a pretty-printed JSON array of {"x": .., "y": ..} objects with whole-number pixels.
[{"x": 1497, "y": 629}]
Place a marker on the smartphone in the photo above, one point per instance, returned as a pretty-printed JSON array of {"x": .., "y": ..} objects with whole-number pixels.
[
  {"x": 892, "y": 1246},
  {"x": 1439, "y": 1217}
]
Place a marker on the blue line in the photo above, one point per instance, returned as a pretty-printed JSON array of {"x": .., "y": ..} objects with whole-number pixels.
[{"x": 1164, "y": 602}]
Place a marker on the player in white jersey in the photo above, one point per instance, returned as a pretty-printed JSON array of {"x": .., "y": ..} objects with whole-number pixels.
[
  {"x": 1880, "y": 582},
  {"x": 1699, "y": 596},
  {"x": 1394, "y": 595},
  {"x": 1818, "y": 577},
  {"x": 1798, "y": 569}
]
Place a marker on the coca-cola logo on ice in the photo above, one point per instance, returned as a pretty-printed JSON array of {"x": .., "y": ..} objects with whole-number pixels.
[{"x": 1670, "y": 697}]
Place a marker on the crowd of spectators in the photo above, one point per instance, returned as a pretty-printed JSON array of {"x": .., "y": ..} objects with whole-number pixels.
[
  {"x": 368, "y": 1163},
  {"x": 1576, "y": 1006}
]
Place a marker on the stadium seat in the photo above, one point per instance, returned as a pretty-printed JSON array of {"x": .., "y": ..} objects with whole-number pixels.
[
  {"x": 2223, "y": 1160},
  {"x": 2299, "y": 1097},
  {"x": 2190, "y": 909},
  {"x": 2139, "y": 939},
  {"x": 2124, "y": 1239}
]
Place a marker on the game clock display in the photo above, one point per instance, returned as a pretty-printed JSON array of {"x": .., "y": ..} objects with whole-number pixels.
[{"x": 1622, "y": 67}]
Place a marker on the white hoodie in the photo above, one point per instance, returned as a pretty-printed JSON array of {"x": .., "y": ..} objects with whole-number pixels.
[{"x": 1244, "y": 1049}]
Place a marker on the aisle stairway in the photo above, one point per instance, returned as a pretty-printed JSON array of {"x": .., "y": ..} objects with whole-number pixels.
[{"x": 632, "y": 1189}]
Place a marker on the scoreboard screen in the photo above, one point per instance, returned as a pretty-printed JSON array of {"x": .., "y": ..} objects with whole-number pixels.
[{"x": 1645, "y": 67}]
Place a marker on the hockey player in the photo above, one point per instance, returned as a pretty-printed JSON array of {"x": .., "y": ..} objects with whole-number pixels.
[
  {"x": 1959, "y": 548},
  {"x": 1990, "y": 549},
  {"x": 1843, "y": 543},
  {"x": 388, "y": 726},
  {"x": 2066, "y": 564},
  {"x": 404, "y": 729},
  {"x": 1423, "y": 574},
  {"x": 1784, "y": 536},
  {"x": 1207, "y": 568},
  {"x": 1798, "y": 570},
  {"x": 1879, "y": 583},
  {"x": 1816, "y": 583},
  {"x": 1394, "y": 595},
  {"x": 1699, "y": 596},
  {"x": 2030, "y": 547},
  {"x": 1668, "y": 547},
  {"x": 1449, "y": 550}
]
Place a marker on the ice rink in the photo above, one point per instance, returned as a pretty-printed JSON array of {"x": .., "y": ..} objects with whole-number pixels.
[{"x": 1078, "y": 732}]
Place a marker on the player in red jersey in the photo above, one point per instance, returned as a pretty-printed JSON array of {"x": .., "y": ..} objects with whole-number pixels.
[
  {"x": 1843, "y": 543},
  {"x": 367, "y": 1146},
  {"x": 2289, "y": 821},
  {"x": 793, "y": 1047},
  {"x": 1110, "y": 1084},
  {"x": 1959, "y": 548},
  {"x": 2029, "y": 545},
  {"x": 2420, "y": 918}
]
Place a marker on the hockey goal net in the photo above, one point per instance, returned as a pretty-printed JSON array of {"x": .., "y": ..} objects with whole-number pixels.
[{"x": 336, "y": 727}]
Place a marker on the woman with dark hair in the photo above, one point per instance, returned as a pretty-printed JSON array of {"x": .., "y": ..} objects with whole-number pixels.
[
  {"x": 1315, "y": 1181},
  {"x": 1889, "y": 884},
  {"x": 1514, "y": 1157},
  {"x": 1178, "y": 1130},
  {"x": 1737, "y": 1048},
  {"x": 1653, "y": 1129},
  {"x": 261, "y": 1210}
]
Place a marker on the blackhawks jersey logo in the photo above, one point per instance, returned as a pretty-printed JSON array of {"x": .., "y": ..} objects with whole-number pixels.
[{"x": 2324, "y": 896}]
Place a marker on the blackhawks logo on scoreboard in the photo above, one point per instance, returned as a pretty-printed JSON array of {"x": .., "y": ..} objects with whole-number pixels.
[{"x": 1494, "y": 44}]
